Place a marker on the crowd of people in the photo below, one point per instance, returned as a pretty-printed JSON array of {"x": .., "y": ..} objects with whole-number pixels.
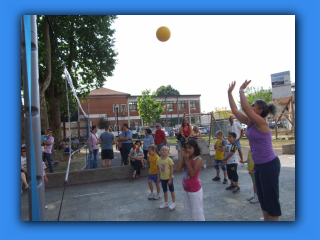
[{"x": 153, "y": 152}]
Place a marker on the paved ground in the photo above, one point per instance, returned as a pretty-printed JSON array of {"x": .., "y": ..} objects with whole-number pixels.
[{"x": 126, "y": 200}]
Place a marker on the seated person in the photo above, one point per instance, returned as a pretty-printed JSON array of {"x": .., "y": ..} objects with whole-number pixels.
[
  {"x": 75, "y": 143},
  {"x": 136, "y": 158},
  {"x": 196, "y": 133}
]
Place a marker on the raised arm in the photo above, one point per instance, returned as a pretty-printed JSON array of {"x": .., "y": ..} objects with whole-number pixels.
[
  {"x": 239, "y": 115},
  {"x": 259, "y": 122}
]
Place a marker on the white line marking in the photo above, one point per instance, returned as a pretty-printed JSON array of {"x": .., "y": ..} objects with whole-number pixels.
[{"x": 88, "y": 194}]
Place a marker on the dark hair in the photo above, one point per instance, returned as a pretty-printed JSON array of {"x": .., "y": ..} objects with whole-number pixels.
[
  {"x": 193, "y": 143},
  {"x": 233, "y": 134},
  {"x": 93, "y": 127},
  {"x": 270, "y": 108},
  {"x": 106, "y": 126},
  {"x": 43, "y": 133},
  {"x": 137, "y": 142},
  {"x": 126, "y": 125},
  {"x": 182, "y": 124},
  {"x": 148, "y": 130},
  {"x": 49, "y": 130}
]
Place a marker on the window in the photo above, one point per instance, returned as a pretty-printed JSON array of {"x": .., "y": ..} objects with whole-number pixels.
[
  {"x": 133, "y": 107},
  {"x": 170, "y": 105},
  {"x": 193, "y": 104},
  {"x": 182, "y": 105},
  {"x": 123, "y": 110},
  {"x": 115, "y": 106}
]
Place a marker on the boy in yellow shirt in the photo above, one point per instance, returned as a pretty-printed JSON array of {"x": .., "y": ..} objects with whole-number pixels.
[{"x": 220, "y": 146}]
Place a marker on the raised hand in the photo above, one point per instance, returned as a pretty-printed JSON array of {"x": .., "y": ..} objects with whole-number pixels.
[
  {"x": 245, "y": 84},
  {"x": 231, "y": 87}
]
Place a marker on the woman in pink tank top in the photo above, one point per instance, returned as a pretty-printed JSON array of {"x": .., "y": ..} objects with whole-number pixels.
[
  {"x": 191, "y": 164},
  {"x": 267, "y": 164}
]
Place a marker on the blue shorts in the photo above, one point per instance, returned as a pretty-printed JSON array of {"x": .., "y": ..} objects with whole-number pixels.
[
  {"x": 237, "y": 143},
  {"x": 219, "y": 163},
  {"x": 153, "y": 177}
]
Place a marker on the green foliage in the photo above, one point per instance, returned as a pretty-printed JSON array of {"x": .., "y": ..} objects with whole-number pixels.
[
  {"x": 168, "y": 90},
  {"x": 222, "y": 112},
  {"x": 102, "y": 123},
  {"x": 252, "y": 94},
  {"x": 86, "y": 46},
  {"x": 149, "y": 108}
]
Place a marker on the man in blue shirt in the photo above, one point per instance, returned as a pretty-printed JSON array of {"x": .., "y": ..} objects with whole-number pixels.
[
  {"x": 107, "y": 141},
  {"x": 126, "y": 139}
]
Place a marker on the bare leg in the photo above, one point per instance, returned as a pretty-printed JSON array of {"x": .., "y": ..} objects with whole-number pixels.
[
  {"x": 158, "y": 187},
  {"x": 23, "y": 180},
  {"x": 267, "y": 217},
  {"x": 218, "y": 173},
  {"x": 103, "y": 163},
  {"x": 150, "y": 185},
  {"x": 165, "y": 196},
  {"x": 240, "y": 154},
  {"x": 173, "y": 196},
  {"x": 225, "y": 174},
  {"x": 254, "y": 189},
  {"x": 109, "y": 162}
]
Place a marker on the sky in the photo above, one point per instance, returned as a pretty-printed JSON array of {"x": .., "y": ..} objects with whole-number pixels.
[{"x": 203, "y": 55}]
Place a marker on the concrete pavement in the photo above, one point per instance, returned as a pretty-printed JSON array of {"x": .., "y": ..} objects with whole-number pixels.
[{"x": 127, "y": 199}]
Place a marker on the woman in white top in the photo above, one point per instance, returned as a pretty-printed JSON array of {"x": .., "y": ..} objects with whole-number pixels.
[{"x": 23, "y": 167}]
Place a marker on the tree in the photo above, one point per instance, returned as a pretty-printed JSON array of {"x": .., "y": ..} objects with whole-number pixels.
[
  {"x": 149, "y": 108},
  {"x": 86, "y": 45},
  {"x": 222, "y": 112},
  {"x": 102, "y": 123},
  {"x": 168, "y": 90},
  {"x": 252, "y": 94}
]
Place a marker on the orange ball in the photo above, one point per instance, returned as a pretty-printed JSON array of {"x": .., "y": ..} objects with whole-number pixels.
[{"x": 163, "y": 34}]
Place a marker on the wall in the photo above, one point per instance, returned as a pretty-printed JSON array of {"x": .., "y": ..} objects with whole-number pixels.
[{"x": 105, "y": 174}]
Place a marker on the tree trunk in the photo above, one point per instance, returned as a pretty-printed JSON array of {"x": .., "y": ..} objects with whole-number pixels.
[
  {"x": 54, "y": 103},
  {"x": 23, "y": 139},
  {"x": 44, "y": 82}
]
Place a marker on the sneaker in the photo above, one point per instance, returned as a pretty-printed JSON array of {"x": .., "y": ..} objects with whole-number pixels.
[
  {"x": 172, "y": 206},
  {"x": 225, "y": 181},
  {"x": 151, "y": 196},
  {"x": 250, "y": 198},
  {"x": 236, "y": 190},
  {"x": 164, "y": 205},
  {"x": 216, "y": 179},
  {"x": 156, "y": 197},
  {"x": 254, "y": 200},
  {"x": 232, "y": 186}
]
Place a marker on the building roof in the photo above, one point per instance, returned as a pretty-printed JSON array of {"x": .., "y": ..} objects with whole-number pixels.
[
  {"x": 284, "y": 100},
  {"x": 106, "y": 92}
]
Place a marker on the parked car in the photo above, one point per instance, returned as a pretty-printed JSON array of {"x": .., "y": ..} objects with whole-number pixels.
[
  {"x": 203, "y": 130},
  {"x": 167, "y": 134},
  {"x": 279, "y": 124},
  {"x": 142, "y": 130},
  {"x": 171, "y": 133},
  {"x": 271, "y": 125}
]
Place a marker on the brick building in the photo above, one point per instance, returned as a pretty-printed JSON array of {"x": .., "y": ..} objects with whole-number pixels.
[{"x": 102, "y": 102}]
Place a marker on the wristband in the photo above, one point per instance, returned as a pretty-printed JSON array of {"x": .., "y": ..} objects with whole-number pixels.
[{"x": 241, "y": 90}]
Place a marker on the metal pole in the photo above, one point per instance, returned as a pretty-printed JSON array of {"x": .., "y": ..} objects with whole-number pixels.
[{"x": 32, "y": 121}]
